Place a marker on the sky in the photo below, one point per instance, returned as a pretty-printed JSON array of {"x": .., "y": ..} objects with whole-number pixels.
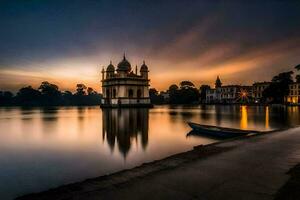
[{"x": 68, "y": 42}]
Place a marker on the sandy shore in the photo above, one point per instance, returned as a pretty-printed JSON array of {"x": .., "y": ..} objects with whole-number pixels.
[{"x": 254, "y": 167}]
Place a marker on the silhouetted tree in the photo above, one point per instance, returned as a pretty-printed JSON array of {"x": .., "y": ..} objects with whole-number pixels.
[
  {"x": 6, "y": 98},
  {"x": 67, "y": 97},
  {"x": 186, "y": 94},
  {"x": 297, "y": 67},
  {"x": 173, "y": 93},
  {"x": 90, "y": 91},
  {"x": 50, "y": 94},
  {"x": 27, "y": 96},
  {"x": 93, "y": 97},
  {"x": 155, "y": 97},
  {"x": 184, "y": 84},
  {"x": 173, "y": 87},
  {"x": 279, "y": 87},
  {"x": 80, "y": 89}
]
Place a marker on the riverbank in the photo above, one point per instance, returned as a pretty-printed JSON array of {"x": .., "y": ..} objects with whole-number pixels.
[{"x": 252, "y": 167}]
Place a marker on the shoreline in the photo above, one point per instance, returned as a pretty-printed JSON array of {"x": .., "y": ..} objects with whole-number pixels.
[{"x": 124, "y": 177}]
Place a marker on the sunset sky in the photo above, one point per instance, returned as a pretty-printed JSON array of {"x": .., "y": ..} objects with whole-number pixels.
[{"x": 68, "y": 42}]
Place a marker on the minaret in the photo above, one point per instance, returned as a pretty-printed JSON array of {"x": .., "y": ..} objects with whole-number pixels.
[
  {"x": 144, "y": 70},
  {"x": 103, "y": 73},
  {"x": 136, "y": 69}
]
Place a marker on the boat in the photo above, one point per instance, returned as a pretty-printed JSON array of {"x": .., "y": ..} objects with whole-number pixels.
[{"x": 218, "y": 132}]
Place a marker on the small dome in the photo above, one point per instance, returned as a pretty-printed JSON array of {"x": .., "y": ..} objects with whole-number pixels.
[
  {"x": 124, "y": 65},
  {"x": 110, "y": 67},
  {"x": 144, "y": 67}
]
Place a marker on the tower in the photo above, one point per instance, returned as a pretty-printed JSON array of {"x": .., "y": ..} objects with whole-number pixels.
[
  {"x": 218, "y": 83},
  {"x": 144, "y": 71}
]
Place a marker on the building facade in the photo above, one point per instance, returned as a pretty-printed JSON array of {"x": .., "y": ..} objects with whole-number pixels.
[
  {"x": 228, "y": 93},
  {"x": 294, "y": 94},
  {"x": 257, "y": 90},
  {"x": 122, "y": 87}
]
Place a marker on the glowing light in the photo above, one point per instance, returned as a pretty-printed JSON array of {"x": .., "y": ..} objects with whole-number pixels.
[
  {"x": 267, "y": 118},
  {"x": 244, "y": 117}
]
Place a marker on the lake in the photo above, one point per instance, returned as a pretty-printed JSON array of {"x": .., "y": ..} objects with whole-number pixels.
[{"x": 42, "y": 148}]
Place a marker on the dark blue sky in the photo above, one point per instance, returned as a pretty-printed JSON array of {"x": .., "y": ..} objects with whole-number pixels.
[{"x": 59, "y": 40}]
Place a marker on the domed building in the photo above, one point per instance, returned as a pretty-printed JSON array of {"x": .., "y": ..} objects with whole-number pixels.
[{"x": 122, "y": 87}]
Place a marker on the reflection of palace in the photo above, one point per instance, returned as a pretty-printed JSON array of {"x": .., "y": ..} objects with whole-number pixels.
[{"x": 123, "y": 126}]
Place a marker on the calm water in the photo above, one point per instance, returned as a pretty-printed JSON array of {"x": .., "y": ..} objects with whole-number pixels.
[{"x": 44, "y": 148}]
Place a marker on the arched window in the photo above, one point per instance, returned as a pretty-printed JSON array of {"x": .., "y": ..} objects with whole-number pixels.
[
  {"x": 114, "y": 93},
  {"x": 130, "y": 93},
  {"x": 139, "y": 93},
  {"x": 107, "y": 93}
]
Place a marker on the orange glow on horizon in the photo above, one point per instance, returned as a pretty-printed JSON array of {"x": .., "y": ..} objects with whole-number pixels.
[{"x": 165, "y": 69}]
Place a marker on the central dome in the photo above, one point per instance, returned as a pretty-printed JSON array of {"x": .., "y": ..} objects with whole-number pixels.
[{"x": 124, "y": 65}]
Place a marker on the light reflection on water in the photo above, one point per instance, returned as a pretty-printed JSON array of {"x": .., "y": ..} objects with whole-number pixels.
[{"x": 42, "y": 148}]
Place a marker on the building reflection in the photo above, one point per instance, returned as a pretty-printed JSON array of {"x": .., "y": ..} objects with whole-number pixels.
[
  {"x": 124, "y": 126},
  {"x": 267, "y": 117},
  {"x": 244, "y": 117}
]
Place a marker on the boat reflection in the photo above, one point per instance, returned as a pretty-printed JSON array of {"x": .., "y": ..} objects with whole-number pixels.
[{"x": 124, "y": 126}]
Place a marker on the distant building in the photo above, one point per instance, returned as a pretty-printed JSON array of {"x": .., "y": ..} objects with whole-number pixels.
[
  {"x": 123, "y": 87},
  {"x": 257, "y": 90},
  {"x": 211, "y": 95},
  {"x": 294, "y": 94},
  {"x": 227, "y": 93}
]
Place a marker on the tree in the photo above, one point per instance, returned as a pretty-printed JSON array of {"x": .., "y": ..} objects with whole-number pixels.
[
  {"x": 186, "y": 94},
  {"x": 218, "y": 83},
  {"x": 91, "y": 91},
  {"x": 50, "y": 94},
  {"x": 297, "y": 67},
  {"x": 173, "y": 93},
  {"x": 6, "y": 98},
  {"x": 279, "y": 87},
  {"x": 67, "y": 98},
  {"x": 173, "y": 87},
  {"x": 80, "y": 89},
  {"x": 93, "y": 98},
  {"x": 185, "y": 84},
  {"x": 155, "y": 97},
  {"x": 27, "y": 96}
]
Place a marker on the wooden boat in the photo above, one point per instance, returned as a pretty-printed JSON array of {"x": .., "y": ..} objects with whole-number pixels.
[{"x": 218, "y": 132}]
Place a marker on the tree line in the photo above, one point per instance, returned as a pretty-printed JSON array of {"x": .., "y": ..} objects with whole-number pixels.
[
  {"x": 185, "y": 93},
  {"x": 48, "y": 94}
]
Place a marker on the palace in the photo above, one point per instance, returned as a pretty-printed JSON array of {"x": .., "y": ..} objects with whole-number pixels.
[{"x": 122, "y": 87}]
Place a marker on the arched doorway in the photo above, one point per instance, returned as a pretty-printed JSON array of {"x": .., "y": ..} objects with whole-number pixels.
[
  {"x": 114, "y": 93},
  {"x": 130, "y": 93},
  {"x": 107, "y": 93},
  {"x": 139, "y": 93}
]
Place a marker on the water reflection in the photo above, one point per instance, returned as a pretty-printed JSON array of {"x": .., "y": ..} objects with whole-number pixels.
[
  {"x": 124, "y": 126},
  {"x": 40, "y": 147},
  {"x": 244, "y": 117},
  {"x": 267, "y": 118}
]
